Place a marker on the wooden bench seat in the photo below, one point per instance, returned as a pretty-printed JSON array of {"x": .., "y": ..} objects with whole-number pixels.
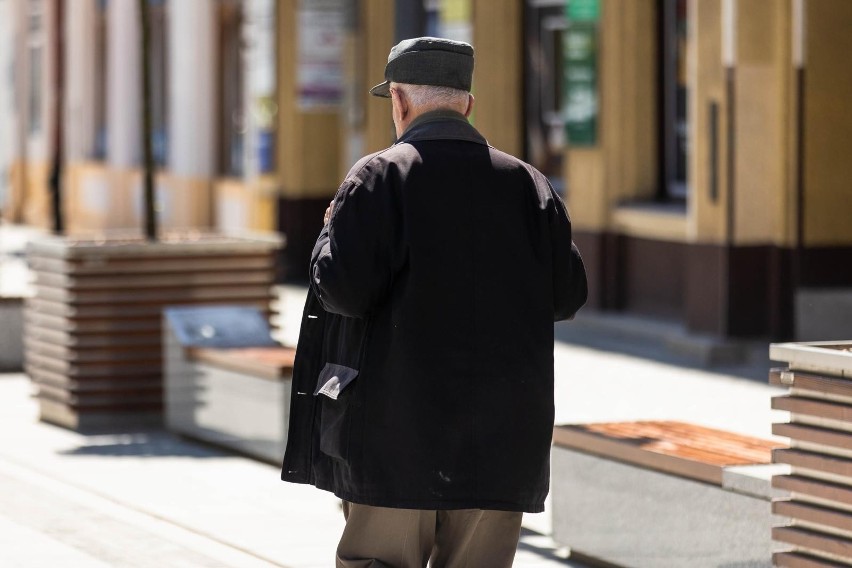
[
  {"x": 273, "y": 363},
  {"x": 677, "y": 448},
  {"x": 663, "y": 493}
]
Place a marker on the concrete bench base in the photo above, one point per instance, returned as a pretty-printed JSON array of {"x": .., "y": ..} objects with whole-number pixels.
[
  {"x": 238, "y": 399},
  {"x": 632, "y": 515},
  {"x": 229, "y": 409}
]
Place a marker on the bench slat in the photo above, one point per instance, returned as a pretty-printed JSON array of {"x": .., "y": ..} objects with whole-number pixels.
[
  {"x": 811, "y": 460},
  {"x": 212, "y": 264},
  {"x": 809, "y": 512},
  {"x": 796, "y": 560},
  {"x": 814, "y": 487},
  {"x": 810, "y": 407},
  {"x": 809, "y": 382},
  {"x": 263, "y": 362},
  {"x": 814, "y": 434},
  {"x": 813, "y": 540}
]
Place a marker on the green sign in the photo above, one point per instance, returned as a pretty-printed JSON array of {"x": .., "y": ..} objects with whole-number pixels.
[
  {"x": 583, "y": 10},
  {"x": 580, "y": 81}
]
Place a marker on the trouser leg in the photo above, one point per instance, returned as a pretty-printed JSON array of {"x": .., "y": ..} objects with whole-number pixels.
[
  {"x": 473, "y": 538},
  {"x": 379, "y": 537}
]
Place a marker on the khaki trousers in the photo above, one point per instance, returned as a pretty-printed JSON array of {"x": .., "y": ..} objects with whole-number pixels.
[{"x": 377, "y": 537}]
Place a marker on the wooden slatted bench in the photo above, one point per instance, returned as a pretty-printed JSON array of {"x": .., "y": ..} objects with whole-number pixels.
[
  {"x": 93, "y": 337},
  {"x": 818, "y": 514},
  {"x": 662, "y": 493},
  {"x": 237, "y": 397}
]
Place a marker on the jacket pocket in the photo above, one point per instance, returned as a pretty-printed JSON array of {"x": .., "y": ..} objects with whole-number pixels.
[
  {"x": 344, "y": 344},
  {"x": 334, "y": 419}
]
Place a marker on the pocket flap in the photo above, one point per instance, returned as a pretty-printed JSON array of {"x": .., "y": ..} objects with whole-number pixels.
[{"x": 333, "y": 379}]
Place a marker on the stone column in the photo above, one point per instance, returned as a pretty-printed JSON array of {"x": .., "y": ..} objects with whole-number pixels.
[
  {"x": 192, "y": 88},
  {"x": 7, "y": 136},
  {"x": 124, "y": 101},
  {"x": 80, "y": 97}
]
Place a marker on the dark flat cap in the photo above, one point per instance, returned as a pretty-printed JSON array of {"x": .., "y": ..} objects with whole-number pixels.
[{"x": 428, "y": 61}]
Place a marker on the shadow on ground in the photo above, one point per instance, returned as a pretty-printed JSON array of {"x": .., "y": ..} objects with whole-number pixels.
[
  {"x": 145, "y": 444},
  {"x": 669, "y": 344}
]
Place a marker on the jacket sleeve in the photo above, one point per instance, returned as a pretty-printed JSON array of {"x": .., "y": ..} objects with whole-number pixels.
[
  {"x": 352, "y": 261},
  {"x": 570, "y": 289}
]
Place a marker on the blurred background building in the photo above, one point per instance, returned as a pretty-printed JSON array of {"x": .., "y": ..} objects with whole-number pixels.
[{"x": 703, "y": 146}]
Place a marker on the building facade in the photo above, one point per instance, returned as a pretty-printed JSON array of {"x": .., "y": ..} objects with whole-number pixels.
[
  {"x": 715, "y": 194},
  {"x": 700, "y": 144}
]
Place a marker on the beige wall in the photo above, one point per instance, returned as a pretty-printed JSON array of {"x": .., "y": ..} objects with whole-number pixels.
[
  {"x": 241, "y": 205},
  {"x": 764, "y": 193},
  {"x": 828, "y": 123},
  {"x": 623, "y": 165},
  {"x": 378, "y": 38},
  {"x": 498, "y": 73},
  {"x": 35, "y": 204},
  {"x": 707, "y": 218}
]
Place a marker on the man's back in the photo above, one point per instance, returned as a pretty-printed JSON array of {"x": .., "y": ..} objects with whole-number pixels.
[{"x": 450, "y": 255}]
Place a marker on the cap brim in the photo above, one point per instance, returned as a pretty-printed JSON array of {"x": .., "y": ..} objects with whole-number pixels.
[{"x": 381, "y": 90}]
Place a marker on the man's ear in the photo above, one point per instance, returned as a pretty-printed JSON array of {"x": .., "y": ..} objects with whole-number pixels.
[
  {"x": 470, "y": 101},
  {"x": 401, "y": 102}
]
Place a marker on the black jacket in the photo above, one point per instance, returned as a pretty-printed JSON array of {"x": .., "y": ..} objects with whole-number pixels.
[{"x": 434, "y": 289}]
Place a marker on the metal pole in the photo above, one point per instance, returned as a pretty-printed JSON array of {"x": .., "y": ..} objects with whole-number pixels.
[
  {"x": 57, "y": 221},
  {"x": 147, "y": 151}
]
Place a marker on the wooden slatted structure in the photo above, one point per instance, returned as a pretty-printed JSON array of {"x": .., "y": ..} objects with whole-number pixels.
[
  {"x": 93, "y": 338},
  {"x": 819, "y": 510}
]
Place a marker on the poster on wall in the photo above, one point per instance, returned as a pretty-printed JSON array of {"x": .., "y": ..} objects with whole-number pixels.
[
  {"x": 321, "y": 29},
  {"x": 580, "y": 68}
]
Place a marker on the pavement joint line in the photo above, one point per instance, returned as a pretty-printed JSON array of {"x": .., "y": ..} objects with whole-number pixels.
[{"x": 153, "y": 522}]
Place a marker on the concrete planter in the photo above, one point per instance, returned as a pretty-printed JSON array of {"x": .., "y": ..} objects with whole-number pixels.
[
  {"x": 662, "y": 495},
  {"x": 93, "y": 336}
]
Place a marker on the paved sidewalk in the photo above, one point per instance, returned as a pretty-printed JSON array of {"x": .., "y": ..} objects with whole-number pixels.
[
  {"x": 151, "y": 499},
  {"x": 154, "y": 499}
]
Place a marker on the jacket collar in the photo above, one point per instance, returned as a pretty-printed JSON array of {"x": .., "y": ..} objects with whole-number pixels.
[{"x": 441, "y": 125}]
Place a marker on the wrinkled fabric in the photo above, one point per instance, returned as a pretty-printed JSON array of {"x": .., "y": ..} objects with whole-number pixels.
[{"x": 438, "y": 279}]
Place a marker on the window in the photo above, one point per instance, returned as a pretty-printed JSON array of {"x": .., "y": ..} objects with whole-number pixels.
[
  {"x": 158, "y": 61},
  {"x": 101, "y": 30},
  {"x": 675, "y": 124},
  {"x": 250, "y": 111},
  {"x": 433, "y": 17},
  {"x": 544, "y": 124},
  {"x": 231, "y": 119}
]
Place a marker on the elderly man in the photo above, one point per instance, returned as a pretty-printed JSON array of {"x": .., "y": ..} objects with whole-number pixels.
[{"x": 423, "y": 388}]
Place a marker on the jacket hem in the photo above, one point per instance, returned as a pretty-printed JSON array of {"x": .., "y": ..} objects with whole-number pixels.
[{"x": 439, "y": 505}]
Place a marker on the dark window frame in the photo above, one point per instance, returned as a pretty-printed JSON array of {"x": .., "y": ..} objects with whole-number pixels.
[{"x": 675, "y": 121}]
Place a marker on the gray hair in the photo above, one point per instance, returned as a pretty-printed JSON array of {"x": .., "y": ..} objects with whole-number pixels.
[{"x": 430, "y": 97}]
